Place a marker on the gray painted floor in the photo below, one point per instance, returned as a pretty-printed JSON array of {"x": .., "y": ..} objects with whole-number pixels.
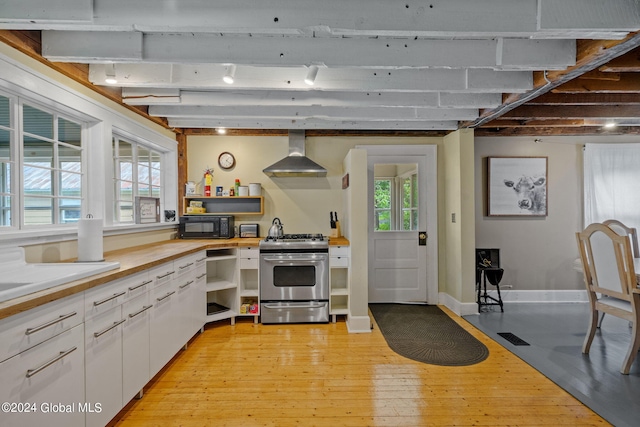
[{"x": 555, "y": 333}]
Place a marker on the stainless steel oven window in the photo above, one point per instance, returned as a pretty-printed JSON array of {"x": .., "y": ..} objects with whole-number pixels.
[{"x": 294, "y": 276}]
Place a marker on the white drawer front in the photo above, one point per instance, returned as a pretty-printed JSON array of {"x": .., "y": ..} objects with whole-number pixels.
[
  {"x": 104, "y": 297},
  {"x": 163, "y": 274},
  {"x": 338, "y": 262},
  {"x": 137, "y": 284},
  {"x": 342, "y": 251},
  {"x": 24, "y": 330},
  {"x": 249, "y": 253},
  {"x": 248, "y": 264},
  {"x": 49, "y": 374}
]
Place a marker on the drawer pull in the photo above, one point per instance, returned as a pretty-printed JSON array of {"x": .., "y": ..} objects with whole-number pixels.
[
  {"x": 32, "y": 372},
  {"x": 201, "y": 276},
  {"x": 186, "y": 284},
  {"x": 201, "y": 259},
  {"x": 142, "y": 310},
  {"x": 185, "y": 266},
  {"x": 146, "y": 282},
  {"x": 165, "y": 296},
  {"x": 112, "y": 297},
  {"x": 104, "y": 331},
  {"x": 169, "y": 273},
  {"x": 62, "y": 317}
]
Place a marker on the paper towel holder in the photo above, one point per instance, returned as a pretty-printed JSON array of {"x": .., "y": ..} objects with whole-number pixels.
[{"x": 88, "y": 244}]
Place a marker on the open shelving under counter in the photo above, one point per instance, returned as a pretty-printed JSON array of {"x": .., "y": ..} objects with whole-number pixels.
[{"x": 221, "y": 285}]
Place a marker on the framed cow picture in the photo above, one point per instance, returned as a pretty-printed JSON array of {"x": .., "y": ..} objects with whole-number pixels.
[{"x": 517, "y": 186}]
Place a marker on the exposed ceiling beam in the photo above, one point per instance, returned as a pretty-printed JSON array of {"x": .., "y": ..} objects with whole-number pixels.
[
  {"x": 534, "y": 122},
  {"x": 586, "y": 99},
  {"x": 629, "y": 62},
  {"x": 313, "y": 123},
  {"x": 450, "y": 18},
  {"x": 287, "y": 51},
  {"x": 552, "y": 131},
  {"x": 574, "y": 111},
  {"x": 208, "y": 76},
  {"x": 628, "y": 82},
  {"x": 591, "y": 55}
]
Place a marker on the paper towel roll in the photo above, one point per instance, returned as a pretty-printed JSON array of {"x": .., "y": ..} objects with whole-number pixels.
[{"x": 90, "y": 240}]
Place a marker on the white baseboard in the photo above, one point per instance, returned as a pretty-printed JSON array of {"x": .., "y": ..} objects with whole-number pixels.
[
  {"x": 511, "y": 296},
  {"x": 358, "y": 324}
]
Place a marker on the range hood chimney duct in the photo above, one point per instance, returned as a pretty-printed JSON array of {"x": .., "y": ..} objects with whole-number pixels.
[{"x": 296, "y": 164}]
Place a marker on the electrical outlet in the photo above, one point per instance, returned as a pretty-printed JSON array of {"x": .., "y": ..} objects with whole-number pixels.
[{"x": 453, "y": 217}]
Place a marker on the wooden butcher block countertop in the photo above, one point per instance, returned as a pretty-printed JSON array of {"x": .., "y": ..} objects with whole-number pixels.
[{"x": 132, "y": 260}]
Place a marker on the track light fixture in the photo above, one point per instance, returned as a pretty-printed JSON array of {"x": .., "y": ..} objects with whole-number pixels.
[
  {"x": 311, "y": 75},
  {"x": 230, "y": 74},
  {"x": 110, "y": 74}
]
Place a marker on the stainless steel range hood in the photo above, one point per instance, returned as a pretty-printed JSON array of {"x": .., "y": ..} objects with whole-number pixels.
[{"x": 296, "y": 164}]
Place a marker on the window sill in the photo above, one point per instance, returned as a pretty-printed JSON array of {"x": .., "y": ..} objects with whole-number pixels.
[{"x": 37, "y": 236}]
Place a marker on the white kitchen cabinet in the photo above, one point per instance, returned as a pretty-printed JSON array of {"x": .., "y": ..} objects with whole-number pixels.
[
  {"x": 49, "y": 378},
  {"x": 339, "y": 257},
  {"x": 103, "y": 364},
  {"x": 248, "y": 273},
  {"x": 27, "y": 329},
  {"x": 164, "y": 333},
  {"x": 190, "y": 294},
  {"x": 135, "y": 345},
  {"x": 222, "y": 285}
]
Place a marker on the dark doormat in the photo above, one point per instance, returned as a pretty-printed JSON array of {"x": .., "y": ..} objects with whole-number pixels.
[{"x": 425, "y": 333}]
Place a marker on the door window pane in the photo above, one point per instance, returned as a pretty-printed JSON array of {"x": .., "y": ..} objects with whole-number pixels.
[{"x": 382, "y": 204}]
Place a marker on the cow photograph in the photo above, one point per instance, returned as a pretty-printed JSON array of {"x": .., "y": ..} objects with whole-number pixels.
[{"x": 517, "y": 186}]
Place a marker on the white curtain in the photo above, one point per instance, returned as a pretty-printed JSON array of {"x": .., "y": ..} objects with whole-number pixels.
[{"x": 612, "y": 183}]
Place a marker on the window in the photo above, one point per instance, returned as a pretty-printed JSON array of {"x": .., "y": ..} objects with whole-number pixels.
[
  {"x": 611, "y": 174},
  {"x": 382, "y": 204},
  {"x": 49, "y": 155},
  {"x": 396, "y": 203},
  {"x": 138, "y": 171}
]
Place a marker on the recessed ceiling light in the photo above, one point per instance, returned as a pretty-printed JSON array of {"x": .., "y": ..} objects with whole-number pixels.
[
  {"x": 229, "y": 76},
  {"x": 221, "y": 131},
  {"x": 610, "y": 125}
]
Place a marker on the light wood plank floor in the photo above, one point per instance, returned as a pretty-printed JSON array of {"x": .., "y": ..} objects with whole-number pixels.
[{"x": 320, "y": 375}]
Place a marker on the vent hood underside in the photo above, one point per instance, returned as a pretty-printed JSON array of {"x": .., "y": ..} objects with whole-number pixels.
[{"x": 296, "y": 164}]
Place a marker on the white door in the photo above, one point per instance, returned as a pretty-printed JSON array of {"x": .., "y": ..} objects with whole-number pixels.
[{"x": 402, "y": 224}]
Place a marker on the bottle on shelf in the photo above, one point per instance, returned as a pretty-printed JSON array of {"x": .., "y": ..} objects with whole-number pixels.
[{"x": 237, "y": 186}]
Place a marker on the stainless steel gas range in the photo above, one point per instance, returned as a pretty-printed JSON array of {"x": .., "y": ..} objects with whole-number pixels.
[{"x": 294, "y": 279}]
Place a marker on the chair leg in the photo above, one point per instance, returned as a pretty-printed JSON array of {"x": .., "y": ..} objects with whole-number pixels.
[
  {"x": 634, "y": 346},
  {"x": 593, "y": 325},
  {"x": 601, "y": 319}
]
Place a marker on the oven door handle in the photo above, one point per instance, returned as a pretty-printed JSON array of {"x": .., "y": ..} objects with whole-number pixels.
[
  {"x": 296, "y": 305},
  {"x": 289, "y": 259}
]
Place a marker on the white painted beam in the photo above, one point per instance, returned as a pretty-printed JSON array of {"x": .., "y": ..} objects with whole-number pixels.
[
  {"x": 91, "y": 46},
  {"x": 406, "y": 80},
  {"x": 36, "y": 12},
  {"x": 579, "y": 15},
  {"x": 232, "y": 97},
  {"x": 436, "y": 18},
  {"x": 312, "y": 124},
  {"x": 299, "y": 113},
  {"x": 281, "y": 51}
]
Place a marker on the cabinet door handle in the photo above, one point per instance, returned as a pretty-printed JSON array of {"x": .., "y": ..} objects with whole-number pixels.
[
  {"x": 185, "y": 266},
  {"x": 112, "y": 297},
  {"x": 166, "y": 296},
  {"x": 62, "y": 317},
  {"x": 201, "y": 259},
  {"x": 146, "y": 282},
  {"x": 169, "y": 273},
  {"x": 142, "y": 310},
  {"x": 104, "y": 331},
  {"x": 186, "y": 284},
  {"x": 32, "y": 372},
  {"x": 201, "y": 276}
]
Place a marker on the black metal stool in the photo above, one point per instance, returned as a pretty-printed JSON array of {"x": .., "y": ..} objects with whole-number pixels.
[{"x": 488, "y": 268}]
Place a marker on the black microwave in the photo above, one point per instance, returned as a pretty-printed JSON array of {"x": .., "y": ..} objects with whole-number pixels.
[{"x": 206, "y": 227}]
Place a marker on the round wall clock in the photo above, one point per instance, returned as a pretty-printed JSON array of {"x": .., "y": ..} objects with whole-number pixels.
[{"x": 226, "y": 160}]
